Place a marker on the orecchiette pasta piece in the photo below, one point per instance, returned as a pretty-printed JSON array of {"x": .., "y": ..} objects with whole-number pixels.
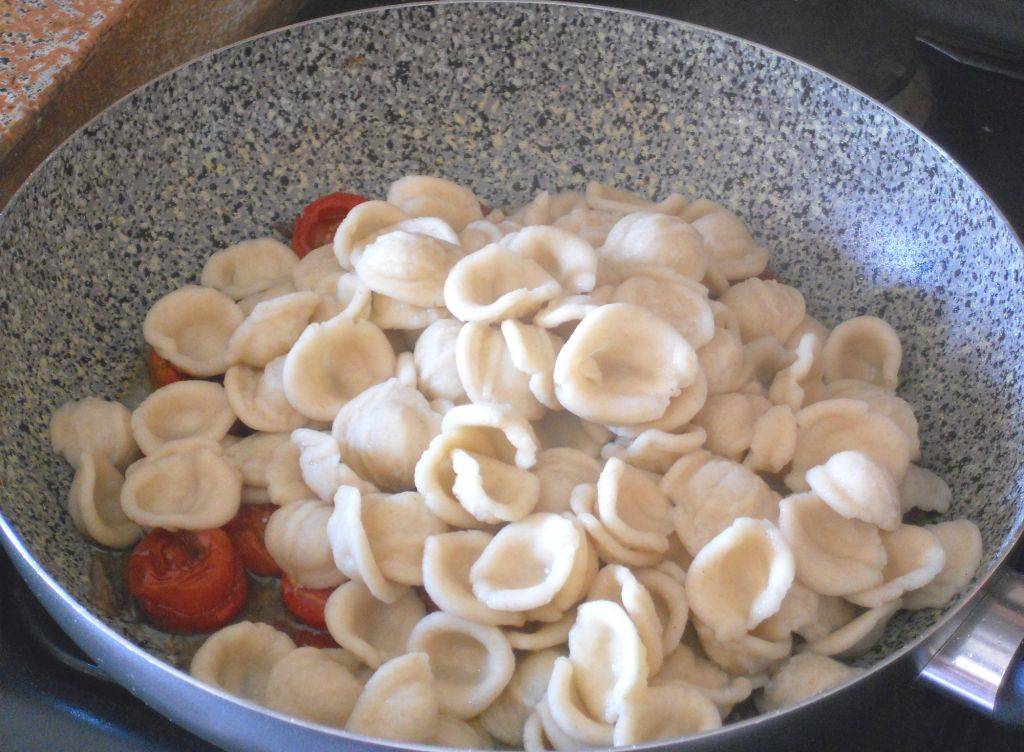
[
  {"x": 249, "y": 302},
  {"x": 838, "y": 425},
  {"x": 534, "y": 738},
  {"x": 333, "y": 362},
  {"x": 882, "y": 401},
  {"x": 483, "y": 232},
  {"x": 833, "y": 612},
  {"x": 532, "y": 350},
  {"x": 182, "y": 410},
  {"x": 505, "y": 717},
  {"x": 798, "y": 612},
  {"x": 399, "y": 702},
  {"x": 373, "y": 630},
  {"x": 857, "y": 636},
  {"x": 321, "y": 467},
  {"x": 240, "y": 657},
  {"x": 191, "y": 327},
  {"x": 542, "y": 635},
  {"x": 834, "y": 555},
  {"x": 607, "y": 658},
  {"x": 559, "y": 471},
  {"x": 363, "y": 223},
  {"x": 563, "y": 429},
  {"x": 452, "y": 733},
  {"x": 565, "y": 719},
  {"x": 734, "y": 253},
  {"x": 435, "y": 358},
  {"x": 296, "y": 537},
  {"x": 545, "y": 208},
  {"x": 313, "y": 684},
  {"x": 632, "y": 507},
  {"x": 724, "y": 362},
  {"x": 252, "y": 456},
  {"x": 249, "y": 267},
  {"x": 257, "y": 397},
  {"x": 317, "y": 271},
  {"x": 272, "y": 328},
  {"x": 491, "y": 490},
  {"x": 809, "y": 325},
  {"x": 665, "y": 712},
  {"x": 923, "y": 489},
  {"x": 711, "y": 492},
  {"x": 408, "y": 266},
  {"x": 285, "y": 484},
  {"x": 800, "y": 677},
  {"x": 566, "y": 310},
  {"x": 914, "y": 557},
  {"x": 765, "y": 309},
  {"x": 426, "y": 196},
  {"x": 591, "y": 225},
  {"x": 606, "y": 198},
  {"x": 679, "y": 412},
  {"x": 583, "y": 502},
  {"x": 800, "y": 383},
  {"x": 961, "y": 542},
  {"x": 93, "y": 426},
  {"x": 495, "y": 283},
  {"x": 645, "y": 239},
  {"x": 858, "y": 488},
  {"x": 489, "y": 373},
  {"x": 623, "y": 365},
  {"x": 773, "y": 440},
  {"x": 618, "y": 584},
  {"x": 567, "y": 258},
  {"x": 677, "y": 299},
  {"x": 729, "y": 420},
  {"x": 655, "y": 450},
  {"x": 447, "y": 561},
  {"x": 350, "y": 297},
  {"x": 745, "y": 655},
  {"x": 740, "y": 577},
  {"x": 387, "y": 458},
  {"x": 864, "y": 348},
  {"x": 684, "y": 666},
  {"x": 472, "y": 663},
  {"x": 94, "y": 503},
  {"x": 669, "y": 597},
  {"x": 185, "y": 485}
]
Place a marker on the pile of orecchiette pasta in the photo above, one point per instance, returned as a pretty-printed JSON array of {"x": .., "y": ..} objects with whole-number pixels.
[{"x": 579, "y": 475}]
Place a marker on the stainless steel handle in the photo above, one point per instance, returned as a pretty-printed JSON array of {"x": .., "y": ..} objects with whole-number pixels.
[{"x": 980, "y": 664}]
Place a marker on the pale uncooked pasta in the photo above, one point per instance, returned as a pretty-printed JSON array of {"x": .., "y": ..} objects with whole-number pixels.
[{"x": 533, "y": 457}]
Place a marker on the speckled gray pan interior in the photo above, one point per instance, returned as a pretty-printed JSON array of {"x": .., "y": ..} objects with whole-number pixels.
[{"x": 858, "y": 211}]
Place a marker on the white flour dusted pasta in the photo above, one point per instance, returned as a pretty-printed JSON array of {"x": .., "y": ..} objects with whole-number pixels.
[
  {"x": 643, "y": 240},
  {"x": 425, "y": 196},
  {"x": 686, "y": 666},
  {"x": 321, "y": 467},
  {"x": 313, "y": 684},
  {"x": 567, "y": 258},
  {"x": 800, "y": 383},
  {"x": 361, "y": 225},
  {"x": 923, "y": 489},
  {"x": 93, "y": 426},
  {"x": 632, "y": 507},
  {"x": 734, "y": 253},
  {"x": 399, "y": 702},
  {"x": 566, "y": 721},
  {"x": 858, "y": 636},
  {"x": 240, "y": 658},
  {"x": 961, "y": 543},
  {"x": 532, "y": 351},
  {"x": 249, "y": 267},
  {"x": 436, "y": 365},
  {"x": 505, "y": 718},
  {"x": 373, "y": 630},
  {"x": 601, "y": 197},
  {"x": 864, "y": 348},
  {"x": 496, "y": 283},
  {"x": 284, "y": 476},
  {"x": 489, "y": 373},
  {"x": 559, "y": 470},
  {"x": 566, "y": 311},
  {"x": 914, "y": 557},
  {"x": 182, "y": 410},
  {"x": 800, "y": 677},
  {"x": 258, "y": 398},
  {"x": 882, "y": 401},
  {"x": 191, "y": 327},
  {"x": 665, "y": 712},
  {"x": 272, "y": 328},
  {"x": 619, "y": 585},
  {"x": 655, "y": 450},
  {"x": 678, "y": 300},
  {"x": 765, "y": 309},
  {"x": 296, "y": 536},
  {"x": 858, "y": 488},
  {"x": 408, "y": 266},
  {"x": 94, "y": 503}
]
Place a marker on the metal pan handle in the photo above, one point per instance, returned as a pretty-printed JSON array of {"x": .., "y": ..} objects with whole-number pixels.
[{"x": 981, "y": 663}]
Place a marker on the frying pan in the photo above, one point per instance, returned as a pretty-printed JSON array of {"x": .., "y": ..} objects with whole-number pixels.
[{"x": 858, "y": 209}]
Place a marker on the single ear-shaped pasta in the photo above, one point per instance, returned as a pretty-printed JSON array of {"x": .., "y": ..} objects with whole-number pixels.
[
  {"x": 483, "y": 232},
  {"x": 665, "y": 712},
  {"x": 834, "y": 555},
  {"x": 566, "y": 717},
  {"x": 182, "y": 410},
  {"x": 619, "y": 585},
  {"x": 583, "y": 502},
  {"x": 426, "y": 196},
  {"x": 563, "y": 429},
  {"x": 642, "y": 240},
  {"x": 746, "y": 655},
  {"x": 799, "y": 383},
  {"x": 833, "y": 612},
  {"x": 800, "y": 677},
  {"x": 858, "y": 636},
  {"x": 447, "y": 561},
  {"x": 542, "y": 635},
  {"x": 533, "y": 351},
  {"x": 489, "y": 374},
  {"x": 654, "y": 450},
  {"x": 734, "y": 253},
  {"x": 399, "y": 702},
  {"x": 349, "y": 297},
  {"x": 679, "y": 412},
  {"x": 773, "y": 441},
  {"x": 249, "y": 267},
  {"x": 390, "y": 313},
  {"x": 451, "y": 733},
  {"x": 185, "y": 485},
  {"x": 684, "y": 666},
  {"x": 740, "y": 577},
  {"x": 252, "y": 456},
  {"x": 334, "y": 361},
  {"x": 505, "y": 717},
  {"x": 858, "y": 488},
  {"x": 94, "y": 503},
  {"x": 559, "y": 470},
  {"x": 258, "y": 398},
  {"x": 313, "y": 684},
  {"x": 321, "y": 466},
  {"x": 249, "y": 302},
  {"x": 729, "y": 421},
  {"x": 632, "y": 507},
  {"x": 923, "y": 489},
  {"x": 272, "y": 328},
  {"x": 914, "y": 557},
  {"x": 388, "y": 457},
  {"x": 534, "y": 738},
  {"x": 284, "y": 476},
  {"x": 240, "y": 657},
  {"x": 668, "y": 595},
  {"x": 296, "y": 537},
  {"x": 407, "y": 266},
  {"x": 471, "y": 663},
  {"x": 588, "y": 224},
  {"x": 567, "y": 258},
  {"x": 491, "y": 490},
  {"x": 566, "y": 311},
  {"x": 350, "y": 545},
  {"x": 864, "y": 348},
  {"x": 435, "y": 358},
  {"x": 607, "y": 658},
  {"x": 798, "y": 612},
  {"x": 711, "y": 492},
  {"x": 93, "y": 426},
  {"x": 724, "y": 362},
  {"x": 371, "y": 629},
  {"x": 623, "y": 365},
  {"x": 767, "y": 358},
  {"x": 882, "y": 401},
  {"x": 961, "y": 542},
  {"x": 765, "y": 309},
  {"x": 363, "y": 223},
  {"x": 495, "y": 283},
  {"x": 606, "y": 198},
  {"x": 191, "y": 327},
  {"x": 678, "y": 300},
  {"x": 317, "y": 271},
  {"x": 836, "y": 425}
]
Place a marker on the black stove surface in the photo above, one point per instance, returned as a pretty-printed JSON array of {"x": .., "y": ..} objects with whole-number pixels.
[{"x": 954, "y": 69}]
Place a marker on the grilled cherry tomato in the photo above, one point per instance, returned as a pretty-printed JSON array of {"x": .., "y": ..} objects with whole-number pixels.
[
  {"x": 316, "y": 225},
  {"x": 305, "y": 604},
  {"x": 308, "y": 638},
  {"x": 161, "y": 371},
  {"x": 246, "y": 532},
  {"x": 187, "y": 581},
  {"x": 484, "y": 208}
]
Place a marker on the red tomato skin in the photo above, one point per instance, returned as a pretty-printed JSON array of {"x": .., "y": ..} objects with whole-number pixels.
[
  {"x": 187, "y": 582},
  {"x": 308, "y": 638},
  {"x": 161, "y": 371},
  {"x": 318, "y": 222},
  {"x": 246, "y": 532},
  {"x": 305, "y": 604}
]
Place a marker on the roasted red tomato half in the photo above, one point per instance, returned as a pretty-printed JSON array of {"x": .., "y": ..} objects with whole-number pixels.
[
  {"x": 316, "y": 225},
  {"x": 246, "y": 532},
  {"x": 161, "y": 371},
  {"x": 305, "y": 604},
  {"x": 187, "y": 581}
]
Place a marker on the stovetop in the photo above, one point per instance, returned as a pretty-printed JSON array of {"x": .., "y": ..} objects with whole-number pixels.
[{"x": 958, "y": 75}]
